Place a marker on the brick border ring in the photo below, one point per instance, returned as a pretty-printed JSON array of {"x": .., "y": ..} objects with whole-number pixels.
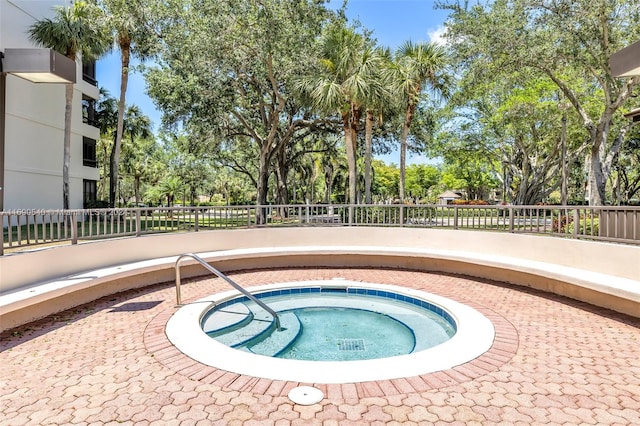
[{"x": 504, "y": 347}]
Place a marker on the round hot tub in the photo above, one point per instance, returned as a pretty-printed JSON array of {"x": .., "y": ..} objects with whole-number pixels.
[{"x": 331, "y": 331}]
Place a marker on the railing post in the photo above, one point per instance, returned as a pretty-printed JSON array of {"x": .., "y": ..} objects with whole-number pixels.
[
  {"x": 576, "y": 222},
  {"x": 455, "y": 217},
  {"x": 511, "y": 219},
  {"x": 350, "y": 214},
  {"x": 197, "y": 225},
  {"x": 138, "y": 222},
  {"x": 74, "y": 228},
  {"x": 402, "y": 215}
]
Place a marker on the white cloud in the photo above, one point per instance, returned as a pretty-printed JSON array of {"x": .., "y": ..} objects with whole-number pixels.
[{"x": 437, "y": 35}]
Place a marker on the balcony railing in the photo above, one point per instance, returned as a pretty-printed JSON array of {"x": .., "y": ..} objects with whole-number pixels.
[
  {"x": 90, "y": 79},
  {"x": 23, "y": 228},
  {"x": 90, "y": 162}
]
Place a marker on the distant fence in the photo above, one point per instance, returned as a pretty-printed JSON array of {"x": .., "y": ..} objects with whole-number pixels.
[{"x": 23, "y": 228}]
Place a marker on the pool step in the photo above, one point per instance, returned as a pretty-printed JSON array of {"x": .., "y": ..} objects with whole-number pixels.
[
  {"x": 259, "y": 326},
  {"x": 277, "y": 341},
  {"x": 226, "y": 319},
  {"x": 246, "y": 326}
]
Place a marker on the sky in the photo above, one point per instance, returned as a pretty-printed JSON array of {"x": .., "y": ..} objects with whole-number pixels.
[{"x": 392, "y": 23}]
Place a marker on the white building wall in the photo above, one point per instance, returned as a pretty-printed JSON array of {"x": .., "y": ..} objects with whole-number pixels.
[{"x": 34, "y": 123}]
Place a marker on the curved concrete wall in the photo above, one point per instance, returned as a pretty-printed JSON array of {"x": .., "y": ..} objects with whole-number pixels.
[
  {"x": 24, "y": 269},
  {"x": 602, "y": 274}
]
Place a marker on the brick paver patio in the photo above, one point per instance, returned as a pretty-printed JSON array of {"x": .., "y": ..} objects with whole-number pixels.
[{"x": 554, "y": 361}]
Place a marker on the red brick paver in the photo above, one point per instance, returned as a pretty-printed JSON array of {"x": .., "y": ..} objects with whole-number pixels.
[{"x": 553, "y": 361}]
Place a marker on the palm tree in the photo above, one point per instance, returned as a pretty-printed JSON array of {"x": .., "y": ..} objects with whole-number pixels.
[
  {"x": 107, "y": 118},
  {"x": 106, "y": 112},
  {"x": 379, "y": 96},
  {"x": 136, "y": 124},
  {"x": 74, "y": 30},
  {"x": 348, "y": 63},
  {"x": 123, "y": 20},
  {"x": 170, "y": 186},
  {"x": 138, "y": 127},
  {"x": 416, "y": 66}
]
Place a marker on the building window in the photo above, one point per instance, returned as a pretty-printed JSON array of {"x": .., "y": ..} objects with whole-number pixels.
[
  {"x": 89, "y": 73},
  {"x": 89, "y": 193},
  {"x": 89, "y": 111},
  {"x": 89, "y": 152}
]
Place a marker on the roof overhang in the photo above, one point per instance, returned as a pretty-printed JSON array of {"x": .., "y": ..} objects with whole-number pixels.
[
  {"x": 39, "y": 65},
  {"x": 633, "y": 115},
  {"x": 626, "y": 62}
]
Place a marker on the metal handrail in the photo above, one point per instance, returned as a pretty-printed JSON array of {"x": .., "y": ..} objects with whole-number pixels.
[{"x": 227, "y": 279}]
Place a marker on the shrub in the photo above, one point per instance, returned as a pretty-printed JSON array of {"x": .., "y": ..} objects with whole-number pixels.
[
  {"x": 470, "y": 203},
  {"x": 97, "y": 204},
  {"x": 587, "y": 225}
]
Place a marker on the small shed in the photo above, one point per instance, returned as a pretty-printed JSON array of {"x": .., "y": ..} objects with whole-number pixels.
[{"x": 447, "y": 197}]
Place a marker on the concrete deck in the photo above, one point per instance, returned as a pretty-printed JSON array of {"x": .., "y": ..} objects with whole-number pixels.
[{"x": 554, "y": 361}]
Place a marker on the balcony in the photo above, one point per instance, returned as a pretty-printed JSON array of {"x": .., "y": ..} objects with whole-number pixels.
[
  {"x": 89, "y": 111},
  {"x": 89, "y": 158},
  {"x": 89, "y": 73}
]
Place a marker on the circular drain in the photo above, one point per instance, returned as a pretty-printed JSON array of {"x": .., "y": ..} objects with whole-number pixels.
[{"x": 305, "y": 395}]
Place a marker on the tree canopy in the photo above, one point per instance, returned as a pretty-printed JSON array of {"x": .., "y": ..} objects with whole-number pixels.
[
  {"x": 294, "y": 100},
  {"x": 566, "y": 42}
]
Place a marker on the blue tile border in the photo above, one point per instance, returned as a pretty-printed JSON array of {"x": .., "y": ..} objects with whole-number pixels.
[{"x": 349, "y": 290}]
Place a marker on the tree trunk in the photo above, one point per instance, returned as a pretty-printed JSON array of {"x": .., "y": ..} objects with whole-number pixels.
[
  {"x": 105, "y": 175},
  {"x": 328, "y": 182},
  {"x": 403, "y": 150},
  {"x": 368, "y": 136},
  {"x": 262, "y": 185},
  {"x": 125, "y": 49},
  {"x": 524, "y": 180},
  {"x": 354, "y": 149},
  {"x": 282, "y": 191},
  {"x": 617, "y": 186},
  {"x": 597, "y": 179},
  {"x": 351, "y": 157},
  {"x": 403, "y": 165},
  {"x": 136, "y": 189},
  {"x": 563, "y": 158},
  {"x": 68, "y": 91}
]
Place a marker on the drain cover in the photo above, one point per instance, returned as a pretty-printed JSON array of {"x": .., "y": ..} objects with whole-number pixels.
[
  {"x": 351, "y": 345},
  {"x": 305, "y": 395}
]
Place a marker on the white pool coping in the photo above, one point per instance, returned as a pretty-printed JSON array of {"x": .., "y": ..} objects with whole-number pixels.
[{"x": 475, "y": 335}]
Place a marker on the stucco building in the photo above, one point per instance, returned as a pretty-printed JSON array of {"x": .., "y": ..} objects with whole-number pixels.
[{"x": 33, "y": 119}]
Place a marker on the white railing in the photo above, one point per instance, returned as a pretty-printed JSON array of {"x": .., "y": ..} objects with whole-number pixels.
[{"x": 23, "y": 228}]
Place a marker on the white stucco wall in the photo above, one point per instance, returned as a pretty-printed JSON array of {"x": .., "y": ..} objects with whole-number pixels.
[
  {"x": 17, "y": 15},
  {"x": 34, "y": 123}
]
